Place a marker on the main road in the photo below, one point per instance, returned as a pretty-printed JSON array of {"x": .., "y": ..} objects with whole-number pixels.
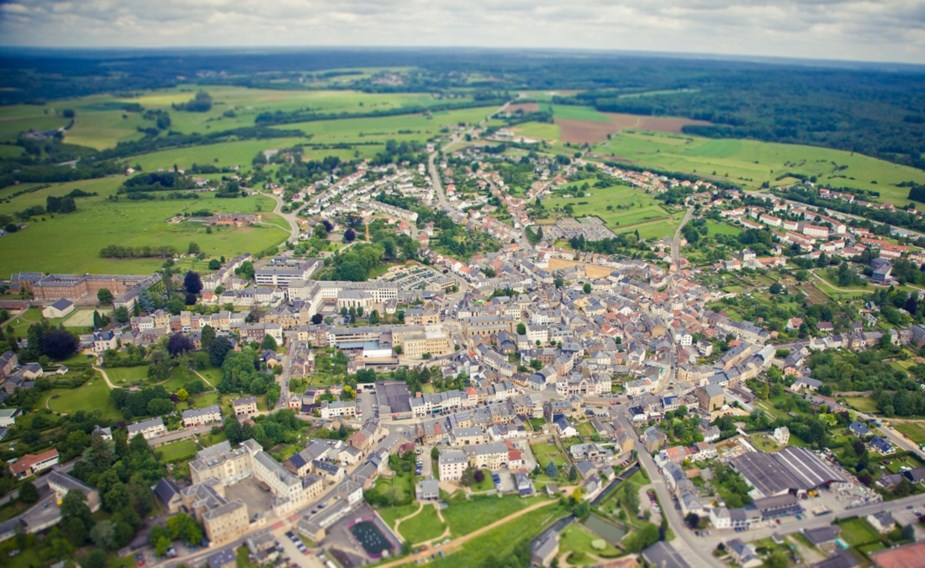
[
  {"x": 692, "y": 549},
  {"x": 676, "y": 241}
]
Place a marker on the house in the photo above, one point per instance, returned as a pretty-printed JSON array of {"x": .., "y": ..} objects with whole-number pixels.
[
  {"x": 882, "y": 521},
  {"x": 663, "y": 555},
  {"x": 201, "y": 416},
  {"x": 151, "y": 428},
  {"x": 822, "y": 535},
  {"x": 859, "y": 429},
  {"x": 710, "y": 397},
  {"x": 781, "y": 435},
  {"x": 653, "y": 439},
  {"x": 881, "y": 446},
  {"x": 427, "y": 490},
  {"x": 224, "y": 558},
  {"x": 565, "y": 428},
  {"x": 168, "y": 494},
  {"x": 807, "y": 383},
  {"x": 59, "y": 309},
  {"x": 246, "y": 406},
  {"x": 30, "y": 464},
  {"x": 61, "y": 483},
  {"x": 8, "y": 416},
  {"x": 743, "y": 554},
  {"x": 545, "y": 548}
]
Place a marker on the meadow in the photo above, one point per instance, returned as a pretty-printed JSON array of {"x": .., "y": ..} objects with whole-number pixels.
[
  {"x": 630, "y": 209},
  {"x": 750, "y": 163},
  {"x": 102, "y": 122},
  {"x": 92, "y": 395},
  {"x": 71, "y": 242}
]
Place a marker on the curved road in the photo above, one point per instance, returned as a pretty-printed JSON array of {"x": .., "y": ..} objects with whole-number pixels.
[{"x": 290, "y": 218}]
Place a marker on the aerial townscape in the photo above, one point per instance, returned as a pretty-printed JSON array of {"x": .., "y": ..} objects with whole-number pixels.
[{"x": 387, "y": 306}]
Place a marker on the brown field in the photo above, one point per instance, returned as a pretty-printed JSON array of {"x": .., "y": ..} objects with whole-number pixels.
[
  {"x": 814, "y": 295},
  {"x": 592, "y": 132},
  {"x": 526, "y": 107}
]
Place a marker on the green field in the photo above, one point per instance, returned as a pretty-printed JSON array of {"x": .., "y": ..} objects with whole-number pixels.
[
  {"x": 391, "y": 514},
  {"x": 465, "y": 516},
  {"x": 915, "y": 431},
  {"x": 630, "y": 209},
  {"x": 71, "y": 242},
  {"x": 127, "y": 376},
  {"x": 857, "y": 531},
  {"x": 576, "y": 539},
  {"x": 571, "y": 112},
  {"x": 92, "y": 395},
  {"x": 540, "y": 130},
  {"x": 500, "y": 543},
  {"x": 750, "y": 163},
  {"x": 546, "y": 452},
  {"x": 862, "y": 404},
  {"x": 101, "y": 122},
  {"x": 719, "y": 228},
  {"x": 423, "y": 526},
  {"x": 177, "y": 451}
]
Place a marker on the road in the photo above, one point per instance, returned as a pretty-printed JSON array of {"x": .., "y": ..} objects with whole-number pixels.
[
  {"x": 290, "y": 218},
  {"x": 676, "y": 241}
]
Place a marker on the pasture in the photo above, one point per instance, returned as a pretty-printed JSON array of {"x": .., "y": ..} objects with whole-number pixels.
[
  {"x": 71, "y": 243},
  {"x": 750, "y": 163}
]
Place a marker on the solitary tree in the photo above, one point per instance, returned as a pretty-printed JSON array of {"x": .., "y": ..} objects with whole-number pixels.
[
  {"x": 192, "y": 282},
  {"x": 104, "y": 296}
]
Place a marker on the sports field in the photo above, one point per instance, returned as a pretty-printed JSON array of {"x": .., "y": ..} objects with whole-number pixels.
[
  {"x": 71, "y": 242},
  {"x": 750, "y": 163}
]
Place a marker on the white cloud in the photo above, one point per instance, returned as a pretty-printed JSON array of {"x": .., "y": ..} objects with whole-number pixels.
[{"x": 885, "y": 30}]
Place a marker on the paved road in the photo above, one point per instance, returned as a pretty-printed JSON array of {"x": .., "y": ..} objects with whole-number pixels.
[
  {"x": 290, "y": 218},
  {"x": 676, "y": 241},
  {"x": 687, "y": 545}
]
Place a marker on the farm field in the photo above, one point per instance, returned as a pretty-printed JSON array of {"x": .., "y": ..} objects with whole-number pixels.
[
  {"x": 102, "y": 120},
  {"x": 537, "y": 130},
  {"x": 71, "y": 243},
  {"x": 750, "y": 163},
  {"x": 630, "y": 209},
  {"x": 239, "y": 153}
]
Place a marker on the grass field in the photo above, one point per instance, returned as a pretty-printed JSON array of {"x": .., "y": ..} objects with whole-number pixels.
[
  {"x": 630, "y": 209},
  {"x": 71, "y": 243},
  {"x": 546, "y": 452},
  {"x": 466, "y": 516},
  {"x": 861, "y": 404},
  {"x": 127, "y": 376},
  {"x": 501, "y": 543},
  {"x": 423, "y": 526},
  {"x": 101, "y": 122},
  {"x": 715, "y": 228},
  {"x": 177, "y": 451},
  {"x": 576, "y": 539},
  {"x": 857, "y": 532},
  {"x": 539, "y": 130},
  {"x": 570, "y": 112},
  {"x": 915, "y": 431},
  {"x": 750, "y": 163},
  {"x": 390, "y": 514},
  {"x": 92, "y": 395}
]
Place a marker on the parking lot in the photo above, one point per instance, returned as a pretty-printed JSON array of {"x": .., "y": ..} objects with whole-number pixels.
[{"x": 292, "y": 551}]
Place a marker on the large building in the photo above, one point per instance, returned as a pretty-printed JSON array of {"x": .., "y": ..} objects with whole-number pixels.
[
  {"x": 76, "y": 286},
  {"x": 30, "y": 464},
  {"x": 222, "y": 520},
  {"x": 792, "y": 470},
  {"x": 394, "y": 400},
  {"x": 151, "y": 428},
  {"x": 201, "y": 416}
]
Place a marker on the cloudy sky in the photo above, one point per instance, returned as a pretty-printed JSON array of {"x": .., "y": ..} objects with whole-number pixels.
[{"x": 870, "y": 30}]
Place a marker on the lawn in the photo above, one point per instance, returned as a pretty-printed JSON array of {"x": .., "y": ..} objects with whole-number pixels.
[
  {"x": 750, "y": 163},
  {"x": 71, "y": 243},
  {"x": 720, "y": 228},
  {"x": 423, "y": 526},
  {"x": 391, "y": 514},
  {"x": 92, "y": 395},
  {"x": 861, "y": 404},
  {"x": 915, "y": 431},
  {"x": 127, "y": 376},
  {"x": 544, "y": 452},
  {"x": 486, "y": 483},
  {"x": 177, "y": 451},
  {"x": 465, "y": 516},
  {"x": 22, "y": 323},
  {"x": 857, "y": 532},
  {"x": 576, "y": 539},
  {"x": 500, "y": 544}
]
